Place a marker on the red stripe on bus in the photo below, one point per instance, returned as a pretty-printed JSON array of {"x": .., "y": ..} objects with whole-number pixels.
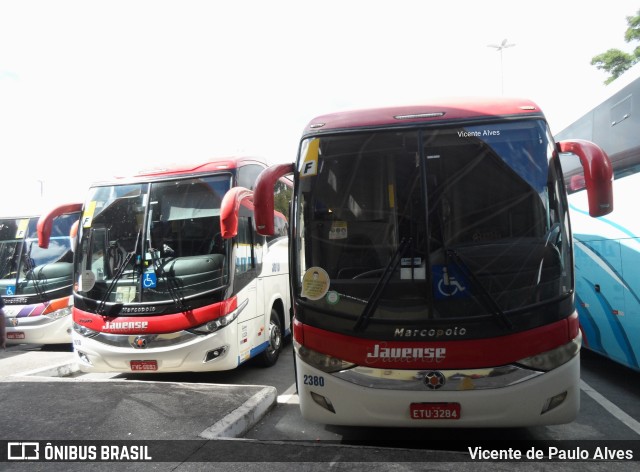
[
  {"x": 459, "y": 354},
  {"x": 155, "y": 324}
]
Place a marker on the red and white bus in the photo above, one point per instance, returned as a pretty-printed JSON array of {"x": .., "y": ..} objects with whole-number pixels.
[
  {"x": 36, "y": 283},
  {"x": 171, "y": 275},
  {"x": 432, "y": 266}
]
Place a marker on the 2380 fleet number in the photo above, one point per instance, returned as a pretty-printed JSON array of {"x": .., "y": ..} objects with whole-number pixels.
[{"x": 314, "y": 380}]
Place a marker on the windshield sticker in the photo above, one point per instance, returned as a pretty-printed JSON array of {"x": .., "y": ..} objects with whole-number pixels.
[
  {"x": 87, "y": 281},
  {"x": 315, "y": 283},
  {"x": 338, "y": 230},
  {"x": 449, "y": 283},
  {"x": 413, "y": 268},
  {"x": 22, "y": 228},
  {"x": 125, "y": 294},
  {"x": 10, "y": 290},
  {"x": 411, "y": 262},
  {"x": 332, "y": 297},
  {"x": 478, "y": 134},
  {"x": 309, "y": 167},
  {"x": 87, "y": 216},
  {"x": 149, "y": 280}
]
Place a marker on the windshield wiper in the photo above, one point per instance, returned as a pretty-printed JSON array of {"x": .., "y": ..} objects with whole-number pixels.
[
  {"x": 31, "y": 266},
  {"x": 172, "y": 286},
  {"x": 485, "y": 298},
  {"x": 7, "y": 258},
  {"x": 390, "y": 268},
  {"x": 119, "y": 272}
]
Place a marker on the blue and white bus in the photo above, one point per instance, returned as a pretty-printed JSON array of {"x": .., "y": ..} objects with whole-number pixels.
[{"x": 607, "y": 249}]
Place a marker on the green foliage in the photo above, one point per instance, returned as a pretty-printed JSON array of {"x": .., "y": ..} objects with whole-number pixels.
[
  {"x": 615, "y": 61},
  {"x": 281, "y": 203}
]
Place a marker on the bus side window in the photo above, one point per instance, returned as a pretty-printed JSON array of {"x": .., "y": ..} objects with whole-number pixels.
[
  {"x": 249, "y": 246},
  {"x": 280, "y": 226},
  {"x": 247, "y": 175},
  {"x": 244, "y": 260}
]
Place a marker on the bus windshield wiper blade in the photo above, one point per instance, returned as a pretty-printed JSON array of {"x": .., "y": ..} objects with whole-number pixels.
[
  {"x": 172, "y": 286},
  {"x": 7, "y": 256},
  {"x": 391, "y": 267},
  {"x": 485, "y": 298},
  {"x": 30, "y": 266},
  {"x": 119, "y": 272}
]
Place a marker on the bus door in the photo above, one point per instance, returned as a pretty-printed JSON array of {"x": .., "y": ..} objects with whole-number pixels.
[{"x": 248, "y": 286}]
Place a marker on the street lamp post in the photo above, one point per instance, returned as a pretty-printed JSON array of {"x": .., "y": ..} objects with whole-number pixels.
[{"x": 500, "y": 47}]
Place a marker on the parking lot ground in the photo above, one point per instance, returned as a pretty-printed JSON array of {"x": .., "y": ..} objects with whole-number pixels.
[{"x": 44, "y": 400}]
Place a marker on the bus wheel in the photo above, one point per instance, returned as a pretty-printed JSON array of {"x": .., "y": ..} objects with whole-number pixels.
[{"x": 271, "y": 354}]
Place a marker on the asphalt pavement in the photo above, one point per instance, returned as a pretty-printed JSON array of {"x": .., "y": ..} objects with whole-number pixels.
[
  {"x": 66, "y": 420},
  {"x": 43, "y": 399}
]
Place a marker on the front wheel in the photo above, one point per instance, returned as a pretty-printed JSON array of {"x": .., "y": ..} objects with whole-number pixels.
[{"x": 270, "y": 356}]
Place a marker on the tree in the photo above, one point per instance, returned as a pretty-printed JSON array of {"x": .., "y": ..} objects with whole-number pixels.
[{"x": 615, "y": 61}]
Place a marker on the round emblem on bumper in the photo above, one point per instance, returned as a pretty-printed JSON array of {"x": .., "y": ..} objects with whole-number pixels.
[{"x": 434, "y": 380}]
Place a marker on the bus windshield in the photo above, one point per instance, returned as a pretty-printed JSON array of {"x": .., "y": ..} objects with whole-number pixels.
[
  {"x": 471, "y": 222},
  {"x": 153, "y": 242},
  {"x": 25, "y": 268}
]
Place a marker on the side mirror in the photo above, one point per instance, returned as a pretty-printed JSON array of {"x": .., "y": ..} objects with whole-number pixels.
[
  {"x": 263, "y": 196},
  {"x": 73, "y": 234},
  {"x": 598, "y": 174},
  {"x": 45, "y": 222},
  {"x": 229, "y": 209}
]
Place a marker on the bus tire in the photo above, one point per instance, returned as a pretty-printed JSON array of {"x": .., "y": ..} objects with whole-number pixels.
[{"x": 270, "y": 356}]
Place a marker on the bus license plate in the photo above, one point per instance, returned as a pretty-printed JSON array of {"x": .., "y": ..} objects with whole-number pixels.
[
  {"x": 15, "y": 335},
  {"x": 144, "y": 366},
  {"x": 435, "y": 411}
]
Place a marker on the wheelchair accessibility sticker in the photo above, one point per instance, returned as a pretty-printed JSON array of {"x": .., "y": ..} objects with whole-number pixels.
[
  {"x": 449, "y": 282},
  {"x": 149, "y": 280}
]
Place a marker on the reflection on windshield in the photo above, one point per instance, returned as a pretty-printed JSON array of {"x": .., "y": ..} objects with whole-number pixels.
[
  {"x": 487, "y": 194},
  {"x": 156, "y": 242}
]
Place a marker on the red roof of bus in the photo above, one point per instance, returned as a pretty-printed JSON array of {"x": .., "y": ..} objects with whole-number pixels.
[
  {"x": 447, "y": 110},
  {"x": 216, "y": 164},
  {"x": 211, "y": 165}
]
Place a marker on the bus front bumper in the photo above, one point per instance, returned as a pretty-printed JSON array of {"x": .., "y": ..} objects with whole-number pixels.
[
  {"x": 195, "y": 354},
  {"x": 549, "y": 398},
  {"x": 38, "y": 330}
]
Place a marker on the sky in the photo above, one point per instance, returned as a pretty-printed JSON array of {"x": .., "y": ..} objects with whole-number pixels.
[{"x": 91, "y": 89}]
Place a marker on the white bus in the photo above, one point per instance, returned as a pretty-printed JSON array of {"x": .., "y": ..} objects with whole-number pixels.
[
  {"x": 36, "y": 283},
  {"x": 431, "y": 266},
  {"x": 162, "y": 287}
]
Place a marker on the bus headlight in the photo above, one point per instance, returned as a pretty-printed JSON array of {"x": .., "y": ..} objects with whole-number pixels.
[
  {"x": 84, "y": 331},
  {"x": 214, "y": 325},
  {"x": 321, "y": 361},
  {"x": 549, "y": 360},
  {"x": 57, "y": 314}
]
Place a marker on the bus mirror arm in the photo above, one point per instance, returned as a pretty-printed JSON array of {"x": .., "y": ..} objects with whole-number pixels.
[
  {"x": 45, "y": 222},
  {"x": 229, "y": 209},
  {"x": 263, "y": 196},
  {"x": 598, "y": 174}
]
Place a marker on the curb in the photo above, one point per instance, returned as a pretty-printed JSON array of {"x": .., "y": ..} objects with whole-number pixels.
[
  {"x": 243, "y": 418},
  {"x": 61, "y": 370}
]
